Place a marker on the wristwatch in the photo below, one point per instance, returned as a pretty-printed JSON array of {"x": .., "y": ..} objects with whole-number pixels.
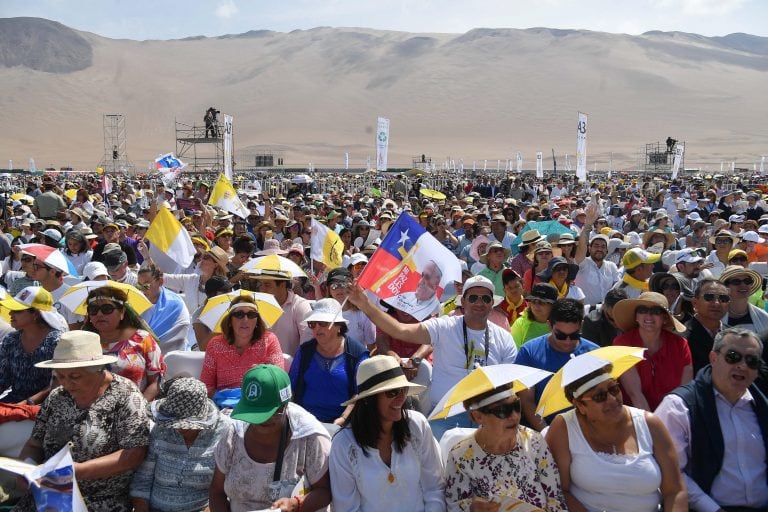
[{"x": 416, "y": 361}]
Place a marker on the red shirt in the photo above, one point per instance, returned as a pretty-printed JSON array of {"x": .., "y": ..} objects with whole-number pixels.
[
  {"x": 661, "y": 372},
  {"x": 223, "y": 367}
]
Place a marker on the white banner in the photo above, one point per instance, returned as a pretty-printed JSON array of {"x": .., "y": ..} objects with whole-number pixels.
[
  {"x": 581, "y": 148},
  {"x": 679, "y": 151},
  {"x": 382, "y": 144},
  {"x": 762, "y": 166},
  {"x": 228, "y": 146},
  {"x": 568, "y": 167},
  {"x": 485, "y": 165},
  {"x": 346, "y": 160},
  {"x": 539, "y": 164},
  {"x": 519, "y": 158}
]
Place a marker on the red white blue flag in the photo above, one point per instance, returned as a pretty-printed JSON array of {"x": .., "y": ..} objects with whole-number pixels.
[{"x": 410, "y": 269}]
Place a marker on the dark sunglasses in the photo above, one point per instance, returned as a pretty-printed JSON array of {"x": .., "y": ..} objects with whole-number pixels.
[
  {"x": 104, "y": 309},
  {"x": 312, "y": 325},
  {"x": 560, "y": 335},
  {"x": 670, "y": 286},
  {"x": 602, "y": 396},
  {"x": 242, "y": 314},
  {"x": 392, "y": 393},
  {"x": 503, "y": 411},
  {"x": 337, "y": 286},
  {"x": 738, "y": 282},
  {"x": 723, "y": 241},
  {"x": 472, "y": 299},
  {"x": 650, "y": 310},
  {"x": 733, "y": 357},
  {"x": 712, "y": 297}
]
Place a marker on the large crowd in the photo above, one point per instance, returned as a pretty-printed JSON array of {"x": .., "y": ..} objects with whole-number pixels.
[{"x": 258, "y": 378}]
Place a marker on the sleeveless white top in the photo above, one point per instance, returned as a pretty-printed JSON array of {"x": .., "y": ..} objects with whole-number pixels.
[{"x": 603, "y": 481}]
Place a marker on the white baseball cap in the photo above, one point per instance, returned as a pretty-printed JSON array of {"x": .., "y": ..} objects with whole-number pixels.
[
  {"x": 751, "y": 236},
  {"x": 482, "y": 282}
]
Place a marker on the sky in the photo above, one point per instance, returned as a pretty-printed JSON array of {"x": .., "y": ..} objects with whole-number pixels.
[{"x": 173, "y": 19}]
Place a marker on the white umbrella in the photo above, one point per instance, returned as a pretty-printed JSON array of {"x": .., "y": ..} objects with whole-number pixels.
[
  {"x": 273, "y": 262},
  {"x": 215, "y": 308},
  {"x": 301, "y": 178}
]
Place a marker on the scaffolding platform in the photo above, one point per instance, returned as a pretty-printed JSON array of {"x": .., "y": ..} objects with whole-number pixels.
[{"x": 199, "y": 152}]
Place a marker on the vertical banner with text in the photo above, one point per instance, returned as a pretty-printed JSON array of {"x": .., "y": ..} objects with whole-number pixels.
[
  {"x": 519, "y": 158},
  {"x": 382, "y": 144},
  {"x": 679, "y": 152},
  {"x": 539, "y": 164},
  {"x": 581, "y": 148},
  {"x": 228, "y": 146}
]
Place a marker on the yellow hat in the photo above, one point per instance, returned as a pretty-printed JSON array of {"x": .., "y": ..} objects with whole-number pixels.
[{"x": 635, "y": 257}]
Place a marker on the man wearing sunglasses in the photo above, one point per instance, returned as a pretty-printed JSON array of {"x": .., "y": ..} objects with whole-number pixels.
[
  {"x": 719, "y": 425},
  {"x": 710, "y": 305},
  {"x": 551, "y": 351},
  {"x": 460, "y": 343}
]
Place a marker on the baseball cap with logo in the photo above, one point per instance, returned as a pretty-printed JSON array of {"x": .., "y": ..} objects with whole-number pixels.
[
  {"x": 265, "y": 389},
  {"x": 635, "y": 257},
  {"x": 688, "y": 255},
  {"x": 113, "y": 257}
]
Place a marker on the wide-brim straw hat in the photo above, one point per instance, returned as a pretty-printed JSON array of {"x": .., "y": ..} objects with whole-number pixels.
[
  {"x": 490, "y": 247},
  {"x": 732, "y": 271},
  {"x": 530, "y": 237},
  {"x": 669, "y": 238},
  {"x": 724, "y": 234},
  {"x": 624, "y": 312},
  {"x": 378, "y": 374},
  {"x": 77, "y": 349}
]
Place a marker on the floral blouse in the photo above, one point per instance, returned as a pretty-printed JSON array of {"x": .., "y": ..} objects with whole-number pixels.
[
  {"x": 527, "y": 473},
  {"x": 137, "y": 357},
  {"x": 17, "y": 366}
]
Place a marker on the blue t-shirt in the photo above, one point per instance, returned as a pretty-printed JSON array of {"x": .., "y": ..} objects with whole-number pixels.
[
  {"x": 326, "y": 384},
  {"x": 538, "y": 353}
]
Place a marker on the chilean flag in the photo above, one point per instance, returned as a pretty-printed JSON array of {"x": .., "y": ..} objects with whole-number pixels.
[{"x": 410, "y": 269}]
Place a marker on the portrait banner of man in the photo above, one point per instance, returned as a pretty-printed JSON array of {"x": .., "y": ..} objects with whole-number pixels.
[{"x": 410, "y": 269}]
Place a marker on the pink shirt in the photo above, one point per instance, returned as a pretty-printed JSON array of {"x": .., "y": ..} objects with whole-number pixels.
[
  {"x": 290, "y": 328},
  {"x": 223, "y": 367}
]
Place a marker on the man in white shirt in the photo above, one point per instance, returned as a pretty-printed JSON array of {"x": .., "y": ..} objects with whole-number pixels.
[
  {"x": 596, "y": 275},
  {"x": 461, "y": 343},
  {"x": 719, "y": 425}
]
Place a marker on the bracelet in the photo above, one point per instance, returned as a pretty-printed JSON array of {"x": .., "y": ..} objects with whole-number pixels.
[{"x": 298, "y": 503}]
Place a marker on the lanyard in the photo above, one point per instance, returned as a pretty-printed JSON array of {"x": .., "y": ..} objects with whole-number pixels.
[
  {"x": 281, "y": 448},
  {"x": 467, "y": 353}
]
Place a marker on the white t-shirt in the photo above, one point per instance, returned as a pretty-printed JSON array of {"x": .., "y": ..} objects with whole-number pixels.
[{"x": 449, "y": 358}]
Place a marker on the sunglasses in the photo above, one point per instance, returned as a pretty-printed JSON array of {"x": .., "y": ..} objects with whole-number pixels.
[
  {"x": 472, "y": 299},
  {"x": 670, "y": 286},
  {"x": 143, "y": 287},
  {"x": 560, "y": 335},
  {"x": 738, "y": 282},
  {"x": 712, "y": 297},
  {"x": 392, "y": 393},
  {"x": 104, "y": 309},
  {"x": 648, "y": 310},
  {"x": 503, "y": 411},
  {"x": 312, "y": 325},
  {"x": 723, "y": 241},
  {"x": 252, "y": 315},
  {"x": 602, "y": 396},
  {"x": 752, "y": 361},
  {"x": 337, "y": 286}
]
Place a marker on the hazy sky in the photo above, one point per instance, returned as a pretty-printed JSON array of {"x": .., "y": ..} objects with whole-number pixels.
[{"x": 169, "y": 19}]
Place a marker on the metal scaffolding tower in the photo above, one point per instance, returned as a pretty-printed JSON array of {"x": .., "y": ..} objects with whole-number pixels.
[
  {"x": 115, "y": 159},
  {"x": 201, "y": 153}
]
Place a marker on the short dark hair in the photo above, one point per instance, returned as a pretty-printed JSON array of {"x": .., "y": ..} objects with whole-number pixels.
[
  {"x": 151, "y": 269},
  {"x": 242, "y": 244},
  {"x": 698, "y": 290},
  {"x": 613, "y": 296},
  {"x": 566, "y": 310}
]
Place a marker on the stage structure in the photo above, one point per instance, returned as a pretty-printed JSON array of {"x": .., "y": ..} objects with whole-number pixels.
[
  {"x": 115, "y": 159},
  {"x": 200, "y": 153},
  {"x": 660, "y": 156}
]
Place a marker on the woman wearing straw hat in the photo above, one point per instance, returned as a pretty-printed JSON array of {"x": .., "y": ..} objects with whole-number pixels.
[
  {"x": 742, "y": 283},
  {"x": 272, "y": 448},
  {"x": 100, "y": 415},
  {"x": 503, "y": 461},
  {"x": 387, "y": 458},
  {"x": 647, "y": 322},
  {"x": 178, "y": 470},
  {"x": 126, "y": 336},
  {"x": 243, "y": 343},
  {"x": 323, "y": 369},
  {"x": 37, "y": 330},
  {"x": 541, "y": 256},
  {"x": 612, "y": 456}
]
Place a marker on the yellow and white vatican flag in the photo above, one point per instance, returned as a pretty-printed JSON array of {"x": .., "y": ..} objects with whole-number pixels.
[
  {"x": 581, "y": 148},
  {"x": 170, "y": 244},
  {"x": 327, "y": 246},
  {"x": 679, "y": 152},
  {"x": 382, "y": 143},
  {"x": 223, "y": 196}
]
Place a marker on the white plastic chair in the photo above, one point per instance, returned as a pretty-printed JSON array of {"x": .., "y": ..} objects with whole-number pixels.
[{"x": 184, "y": 361}]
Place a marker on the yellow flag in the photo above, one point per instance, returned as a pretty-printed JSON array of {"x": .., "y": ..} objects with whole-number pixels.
[
  {"x": 224, "y": 196},
  {"x": 327, "y": 246}
]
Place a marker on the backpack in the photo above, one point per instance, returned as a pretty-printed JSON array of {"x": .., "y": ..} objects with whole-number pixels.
[{"x": 353, "y": 351}]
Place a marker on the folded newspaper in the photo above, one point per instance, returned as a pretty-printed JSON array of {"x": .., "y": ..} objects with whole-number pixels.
[{"x": 53, "y": 483}]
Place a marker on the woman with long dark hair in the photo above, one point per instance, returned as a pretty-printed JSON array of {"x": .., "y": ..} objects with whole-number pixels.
[{"x": 387, "y": 458}]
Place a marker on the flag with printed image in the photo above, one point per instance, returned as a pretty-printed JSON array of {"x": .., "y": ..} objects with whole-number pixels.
[
  {"x": 410, "y": 269},
  {"x": 224, "y": 196},
  {"x": 170, "y": 244},
  {"x": 169, "y": 167},
  {"x": 327, "y": 246}
]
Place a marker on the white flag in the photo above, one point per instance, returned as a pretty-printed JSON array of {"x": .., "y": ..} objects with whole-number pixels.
[
  {"x": 762, "y": 165},
  {"x": 568, "y": 167},
  {"x": 32, "y": 166},
  {"x": 519, "y": 162},
  {"x": 679, "y": 151},
  {"x": 382, "y": 144},
  {"x": 539, "y": 164},
  {"x": 346, "y": 160},
  {"x": 228, "y": 146},
  {"x": 581, "y": 148},
  {"x": 474, "y": 165},
  {"x": 485, "y": 165}
]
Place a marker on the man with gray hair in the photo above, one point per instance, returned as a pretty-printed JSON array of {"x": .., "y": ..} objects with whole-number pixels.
[{"x": 719, "y": 424}]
